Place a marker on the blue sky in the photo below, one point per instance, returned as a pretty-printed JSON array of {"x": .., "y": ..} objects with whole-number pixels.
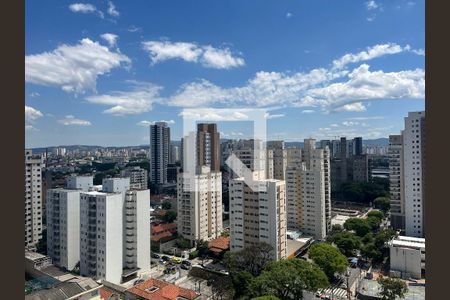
[{"x": 99, "y": 72}]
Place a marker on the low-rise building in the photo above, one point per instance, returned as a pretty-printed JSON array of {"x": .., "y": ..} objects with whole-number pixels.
[{"x": 407, "y": 256}]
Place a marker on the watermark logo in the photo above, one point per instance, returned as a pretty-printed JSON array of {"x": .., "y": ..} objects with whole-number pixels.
[{"x": 250, "y": 171}]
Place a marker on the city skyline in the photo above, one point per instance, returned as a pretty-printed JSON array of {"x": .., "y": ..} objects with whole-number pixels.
[{"x": 133, "y": 67}]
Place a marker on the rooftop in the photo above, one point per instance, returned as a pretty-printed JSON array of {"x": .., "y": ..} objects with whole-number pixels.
[{"x": 160, "y": 290}]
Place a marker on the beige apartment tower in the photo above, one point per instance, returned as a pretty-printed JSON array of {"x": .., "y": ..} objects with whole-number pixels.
[{"x": 258, "y": 216}]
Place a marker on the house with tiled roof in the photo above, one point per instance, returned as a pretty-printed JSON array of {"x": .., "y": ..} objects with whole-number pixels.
[
  {"x": 155, "y": 289},
  {"x": 161, "y": 231},
  {"x": 219, "y": 245}
]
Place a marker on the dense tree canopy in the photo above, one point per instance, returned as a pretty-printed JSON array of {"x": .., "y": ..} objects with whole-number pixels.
[
  {"x": 252, "y": 259},
  {"x": 328, "y": 258},
  {"x": 382, "y": 203},
  {"x": 347, "y": 242},
  {"x": 360, "y": 226},
  {"x": 287, "y": 279},
  {"x": 391, "y": 288}
]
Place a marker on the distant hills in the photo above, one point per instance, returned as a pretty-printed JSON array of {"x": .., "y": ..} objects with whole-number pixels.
[{"x": 373, "y": 142}]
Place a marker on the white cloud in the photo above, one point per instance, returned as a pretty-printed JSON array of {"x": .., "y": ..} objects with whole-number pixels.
[
  {"x": 146, "y": 123},
  {"x": 211, "y": 114},
  {"x": 110, "y": 38},
  {"x": 112, "y": 11},
  {"x": 364, "y": 85},
  {"x": 370, "y": 5},
  {"x": 334, "y": 125},
  {"x": 274, "y": 116},
  {"x": 71, "y": 120},
  {"x": 370, "y": 53},
  {"x": 208, "y": 56},
  {"x": 307, "y": 111},
  {"x": 366, "y": 118},
  {"x": 289, "y": 15},
  {"x": 34, "y": 94},
  {"x": 133, "y": 28},
  {"x": 29, "y": 127},
  {"x": 74, "y": 68},
  {"x": 82, "y": 8},
  {"x": 220, "y": 58},
  {"x": 357, "y": 107},
  {"x": 138, "y": 100},
  {"x": 350, "y": 123},
  {"x": 330, "y": 89},
  {"x": 32, "y": 114}
]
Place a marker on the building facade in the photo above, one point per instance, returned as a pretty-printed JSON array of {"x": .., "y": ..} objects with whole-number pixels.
[
  {"x": 258, "y": 216},
  {"x": 159, "y": 152},
  {"x": 396, "y": 184},
  {"x": 33, "y": 198},
  {"x": 208, "y": 146},
  {"x": 63, "y": 227},
  {"x": 414, "y": 173},
  {"x": 138, "y": 177},
  {"x": 199, "y": 206}
]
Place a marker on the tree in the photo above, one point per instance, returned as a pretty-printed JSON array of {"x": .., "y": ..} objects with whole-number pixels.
[
  {"x": 374, "y": 222},
  {"x": 170, "y": 216},
  {"x": 382, "y": 203},
  {"x": 252, "y": 259},
  {"x": 241, "y": 282},
  {"x": 202, "y": 248},
  {"x": 347, "y": 243},
  {"x": 360, "y": 226},
  {"x": 370, "y": 251},
  {"x": 392, "y": 288},
  {"x": 287, "y": 279},
  {"x": 376, "y": 213},
  {"x": 222, "y": 288},
  {"x": 183, "y": 243},
  {"x": 384, "y": 236},
  {"x": 166, "y": 205},
  {"x": 269, "y": 297},
  {"x": 328, "y": 258}
]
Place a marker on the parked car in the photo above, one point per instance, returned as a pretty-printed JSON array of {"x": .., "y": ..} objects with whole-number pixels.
[
  {"x": 186, "y": 262},
  {"x": 155, "y": 255},
  {"x": 184, "y": 267},
  {"x": 165, "y": 258},
  {"x": 176, "y": 260}
]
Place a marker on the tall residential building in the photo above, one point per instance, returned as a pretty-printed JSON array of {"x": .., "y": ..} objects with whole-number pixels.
[
  {"x": 63, "y": 227},
  {"x": 308, "y": 192},
  {"x": 138, "y": 177},
  {"x": 159, "y": 152},
  {"x": 258, "y": 216},
  {"x": 33, "y": 198},
  {"x": 414, "y": 173},
  {"x": 114, "y": 231},
  {"x": 199, "y": 205},
  {"x": 279, "y": 158},
  {"x": 396, "y": 184},
  {"x": 208, "y": 146},
  {"x": 174, "y": 154},
  {"x": 357, "y": 146}
]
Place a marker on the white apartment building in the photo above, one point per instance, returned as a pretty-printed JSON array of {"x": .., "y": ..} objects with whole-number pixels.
[
  {"x": 306, "y": 196},
  {"x": 33, "y": 198},
  {"x": 114, "y": 231},
  {"x": 258, "y": 216},
  {"x": 101, "y": 234},
  {"x": 138, "y": 177},
  {"x": 199, "y": 206},
  {"x": 83, "y": 183},
  {"x": 63, "y": 227},
  {"x": 414, "y": 173},
  {"x": 279, "y": 158}
]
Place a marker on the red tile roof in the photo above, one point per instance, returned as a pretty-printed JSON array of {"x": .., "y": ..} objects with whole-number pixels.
[
  {"x": 105, "y": 293},
  {"x": 165, "y": 291},
  {"x": 222, "y": 243},
  {"x": 164, "y": 227}
]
